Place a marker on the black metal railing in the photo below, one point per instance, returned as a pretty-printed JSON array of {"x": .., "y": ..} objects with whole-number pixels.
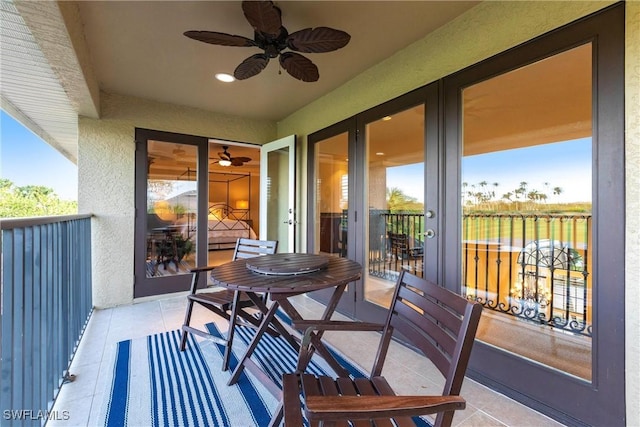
[
  {"x": 46, "y": 303},
  {"x": 396, "y": 242},
  {"x": 531, "y": 266}
]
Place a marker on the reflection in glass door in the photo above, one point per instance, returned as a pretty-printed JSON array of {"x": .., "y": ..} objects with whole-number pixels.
[
  {"x": 169, "y": 239},
  {"x": 171, "y": 208},
  {"x": 527, "y": 209},
  {"x": 395, "y": 153},
  {"x": 332, "y": 195}
]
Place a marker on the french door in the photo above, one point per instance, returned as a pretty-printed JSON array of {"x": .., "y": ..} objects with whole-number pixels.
[
  {"x": 371, "y": 199},
  {"x": 504, "y": 183},
  {"x": 170, "y": 232},
  {"x": 331, "y": 228},
  {"x": 278, "y": 220}
]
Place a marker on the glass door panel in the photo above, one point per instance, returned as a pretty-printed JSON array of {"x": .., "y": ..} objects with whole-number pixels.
[
  {"x": 527, "y": 209},
  {"x": 395, "y": 174},
  {"x": 277, "y": 193},
  {"x": 332, "y": 195},
  {"x": 171, "y": 209}
]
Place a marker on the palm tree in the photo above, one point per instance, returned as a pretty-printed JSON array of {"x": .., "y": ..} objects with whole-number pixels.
[
  {"x": 397, "y": 200},
  {"x": 557, "y": 191}
]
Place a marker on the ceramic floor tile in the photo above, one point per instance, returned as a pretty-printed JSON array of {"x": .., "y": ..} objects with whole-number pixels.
[
  {"x": 476, "y": 419},
  {"x": 408, "y": 371}
]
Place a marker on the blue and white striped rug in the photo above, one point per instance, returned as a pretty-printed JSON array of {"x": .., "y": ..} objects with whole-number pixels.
[{"x": 155, "y": 384}]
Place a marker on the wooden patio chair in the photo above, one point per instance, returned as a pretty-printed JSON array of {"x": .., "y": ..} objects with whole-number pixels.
[
  {"x": 401, "y": 249},
  {"x": 437, "y": 322},
  {"x": 223, "y": 302}
]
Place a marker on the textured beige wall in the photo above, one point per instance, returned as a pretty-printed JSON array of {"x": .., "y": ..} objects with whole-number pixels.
[
  {"x": 106, "y": 174},
  {"x": 632, "y": 224},
  {"x": 486, "y": 30}
]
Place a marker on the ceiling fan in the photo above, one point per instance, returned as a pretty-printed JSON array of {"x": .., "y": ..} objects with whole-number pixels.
[
  {"x": 227, "y": 160},
  {"x": 273, "y": 39}
]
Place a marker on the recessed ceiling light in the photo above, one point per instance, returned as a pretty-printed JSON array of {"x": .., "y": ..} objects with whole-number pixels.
[
  {"x": 379, "y": 153},
  {"x": 385, "y": 118},
  {"x": 224, "y": 77}
]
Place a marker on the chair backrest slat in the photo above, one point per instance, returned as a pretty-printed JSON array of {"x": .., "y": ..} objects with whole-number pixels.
[
  {"x": 415, "y": 336},
  {"x": 249, "y": 248},
  {"x": 436, "y": 321},
  {"x": 425, "y": 335}
]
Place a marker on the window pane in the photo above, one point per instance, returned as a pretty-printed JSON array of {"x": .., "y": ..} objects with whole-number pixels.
[
  {"x": 526, "y": 196},
  {"x": 332, "y": 195},
  {"x": 171, "y": 208},
  {"x": 395, "y": 177}
]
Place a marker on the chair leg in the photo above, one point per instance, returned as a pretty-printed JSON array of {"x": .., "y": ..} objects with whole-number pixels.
[
  {"x": 290, "y": 407},
  {"x": 232, "y": 329},
  {"x": 187, "y": 314},
  {"x": 187, "y": 320}
]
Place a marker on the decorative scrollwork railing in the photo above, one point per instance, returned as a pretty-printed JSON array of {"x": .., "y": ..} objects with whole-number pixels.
[
  {"x": 534, "y": 267},
  {"x": 531, "y": 266}
]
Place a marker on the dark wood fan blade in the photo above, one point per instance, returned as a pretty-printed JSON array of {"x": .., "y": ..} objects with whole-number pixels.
[
  {"x": 242, "y": 159},
  {"x": 251, "y": 66},
  {"x": 236, "y": 161},
  {"x": 263, "y": 16},
  {"x": 299, "y": 67},
  {"x": 317, "y": 40},
  {"x": 224, "y": 155},
  {"x": 222, "y": 39}
]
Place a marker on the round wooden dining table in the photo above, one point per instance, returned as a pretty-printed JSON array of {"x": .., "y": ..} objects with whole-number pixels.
[{"x": 283, "y": 276}]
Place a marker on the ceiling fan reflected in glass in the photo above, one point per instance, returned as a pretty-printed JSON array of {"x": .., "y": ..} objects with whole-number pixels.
[
  {"x": 226, "y": 159},
  {"x": 274, "y": 39}
]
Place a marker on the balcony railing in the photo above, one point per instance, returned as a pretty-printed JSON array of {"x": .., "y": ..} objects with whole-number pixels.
[
  {"x": 45, "y": 305},
  {"x": 530, "y": 266},
  {"x": 396, "y": 242}
]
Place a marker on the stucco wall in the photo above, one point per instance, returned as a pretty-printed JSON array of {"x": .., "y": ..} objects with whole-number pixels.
[
  {"x": 106, "y": 174},
  {"x": 482, "y": 32}
]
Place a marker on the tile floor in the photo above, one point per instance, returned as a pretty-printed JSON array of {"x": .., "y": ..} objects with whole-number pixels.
[{"x": 408, "y": 372}]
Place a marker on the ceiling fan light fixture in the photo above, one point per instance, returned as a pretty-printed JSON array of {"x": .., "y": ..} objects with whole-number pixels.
[
  {"x": 224, "y": 77},
  {"x": 273, "y": 39},
  {"x": 224, "y": 163}
]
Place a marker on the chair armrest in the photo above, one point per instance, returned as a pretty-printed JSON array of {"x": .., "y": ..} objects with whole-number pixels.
[
  {"x": 336, "y": 325},
  {"x": 371, "y": 407},
  {"x": 201, "y": 269},
  {"x": 311, "y": 326}
]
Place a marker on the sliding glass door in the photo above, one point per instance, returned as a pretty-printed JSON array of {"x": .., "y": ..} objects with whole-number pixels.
[
  {"x": 527, "y": 240},
  {"x": 535, "y": 135},
  {"x": 503, "y": 182}
]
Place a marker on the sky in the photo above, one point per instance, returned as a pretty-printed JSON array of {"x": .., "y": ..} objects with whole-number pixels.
[
  {"x": 26, "y": 159},
  {"x": 564, "y": 164}
]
